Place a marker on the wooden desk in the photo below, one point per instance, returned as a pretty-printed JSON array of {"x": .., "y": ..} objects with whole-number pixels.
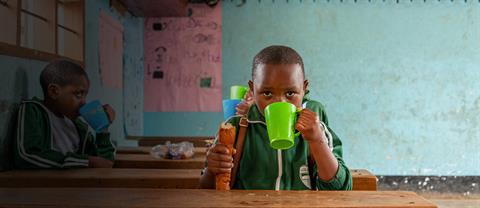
[
  {"x": 132, "y": 178},
  {"x": 152, "y": 141},
  {"x": 363, "y": 180},
  {"x": 102, "y": 177},
  {"x": 106, "y": 197},
  {"x": 147, "y": 161},
  {"x": 133, "y": 150},
  {"x": 146, "y": 150}
]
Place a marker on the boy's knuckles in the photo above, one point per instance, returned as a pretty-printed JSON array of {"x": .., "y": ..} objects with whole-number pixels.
[
  {"x": 223, "y": 170},
  {"x": 224, "y": 158},
  {"x": 226, "y": 164},
  {"x": 214, "y": 156},
  {"x": 213, "y": 164}
]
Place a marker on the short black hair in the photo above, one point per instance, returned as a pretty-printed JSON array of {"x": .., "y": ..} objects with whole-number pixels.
[
  {"x": 61, "y": 72},
  {"x": 277, "y": 54}
]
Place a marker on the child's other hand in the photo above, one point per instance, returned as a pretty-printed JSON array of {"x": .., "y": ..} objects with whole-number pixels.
[
  {"x": 99, "y": 162},
  {"x": 242, "y": 107},
  {"x": 219, "y": 159},
  {"x": 110, "y": 112},
  {"x": 309, "y": 126}
]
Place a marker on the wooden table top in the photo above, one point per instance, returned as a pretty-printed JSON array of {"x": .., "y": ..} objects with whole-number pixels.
[
  {"x": 102, "y": 177},
  {"x": 147, "y": 161},
  {"x": 100, "y": 173},
  {"x": 152, "y": 141},
  {"x": 108, "y": 197},
  {"x": 146, "y": 150}
]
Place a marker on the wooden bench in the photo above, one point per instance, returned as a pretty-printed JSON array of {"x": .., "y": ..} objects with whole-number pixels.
[
  {"x": 117, "y": 197},
  {"x": 132, "y": 178},
  {"x": 147, "y": 161}
]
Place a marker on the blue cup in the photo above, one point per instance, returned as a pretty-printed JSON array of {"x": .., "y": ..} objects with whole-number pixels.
[
  {"x": 94, "y": 114},
  {"x": 229, "y": 107}
]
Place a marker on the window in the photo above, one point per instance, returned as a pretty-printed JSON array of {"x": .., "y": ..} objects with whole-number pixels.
[{"x": 43, "y": 30}]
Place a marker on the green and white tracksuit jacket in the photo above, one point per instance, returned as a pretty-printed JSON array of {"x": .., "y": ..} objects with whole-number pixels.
[
  {"x": 262, "y": 167},
  {"x": 33, "y": 143}
]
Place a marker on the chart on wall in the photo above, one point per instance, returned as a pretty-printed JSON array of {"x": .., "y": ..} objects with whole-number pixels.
[{"x": 183, "y": 62}]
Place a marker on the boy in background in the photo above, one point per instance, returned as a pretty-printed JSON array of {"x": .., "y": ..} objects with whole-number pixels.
[{"x": 49, "y": 132}]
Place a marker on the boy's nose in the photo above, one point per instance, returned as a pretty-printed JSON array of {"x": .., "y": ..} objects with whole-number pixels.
[{"x": 280, "y": 99}]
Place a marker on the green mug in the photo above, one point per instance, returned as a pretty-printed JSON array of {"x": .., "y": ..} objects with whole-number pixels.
[
  {"x": 280, "y": 118},
  {"x": 238, "y": 92}
]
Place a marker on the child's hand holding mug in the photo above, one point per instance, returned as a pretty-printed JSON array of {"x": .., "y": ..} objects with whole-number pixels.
[
  {"x": 308, "y": 124},
  {"x": 97, "y": 116}
]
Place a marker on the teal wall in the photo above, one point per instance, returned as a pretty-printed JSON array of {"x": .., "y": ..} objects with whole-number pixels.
[
  {"x": 399, "y": 81},
  {"x": 181, "y": 123},
  {"x": 20, "y": 80},
  {"x": 128, "y": 103}
]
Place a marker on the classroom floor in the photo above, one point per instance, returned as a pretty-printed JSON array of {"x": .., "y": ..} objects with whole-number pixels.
[{"x": 453, "y": 200}]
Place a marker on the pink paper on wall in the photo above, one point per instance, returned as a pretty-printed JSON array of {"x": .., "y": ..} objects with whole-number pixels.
[
  {"x": 111, "y": 52},
  {"x": 183, "y": 62}
]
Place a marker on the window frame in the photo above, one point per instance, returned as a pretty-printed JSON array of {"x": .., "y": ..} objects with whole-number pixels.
[{"x": 24, "y": 52}]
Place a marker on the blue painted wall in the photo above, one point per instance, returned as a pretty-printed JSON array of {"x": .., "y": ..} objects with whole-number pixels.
[
  {"x": 399, "y": 81},
  {"x": 128, "y": 103},
  {"x": 181, "y": 124},
  {"x": 20, "y": 80},
  {"x": 133, "y": 76}
]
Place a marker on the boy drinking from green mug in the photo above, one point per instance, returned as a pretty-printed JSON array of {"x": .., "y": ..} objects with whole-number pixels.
[{"x": 315, "y": 160}]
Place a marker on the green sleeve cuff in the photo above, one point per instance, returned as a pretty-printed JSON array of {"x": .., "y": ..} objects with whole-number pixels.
[
  {"x": 338, "y": 182},
  {"x": 73, "y": 160},
  {"x": 102, "y": 138}
]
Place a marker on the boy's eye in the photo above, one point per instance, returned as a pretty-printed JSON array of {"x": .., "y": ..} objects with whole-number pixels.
[
  {"x": 78, "y": 95},
  {"x": 290, "y": 93},
  {"x": 267, "y": 94}
]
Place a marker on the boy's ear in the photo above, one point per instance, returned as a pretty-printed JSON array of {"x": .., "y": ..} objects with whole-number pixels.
[
  {"x": 250, "y": 85},
  {"x": 53, "y": 91},
  {"x": 305, "y": 85}
]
